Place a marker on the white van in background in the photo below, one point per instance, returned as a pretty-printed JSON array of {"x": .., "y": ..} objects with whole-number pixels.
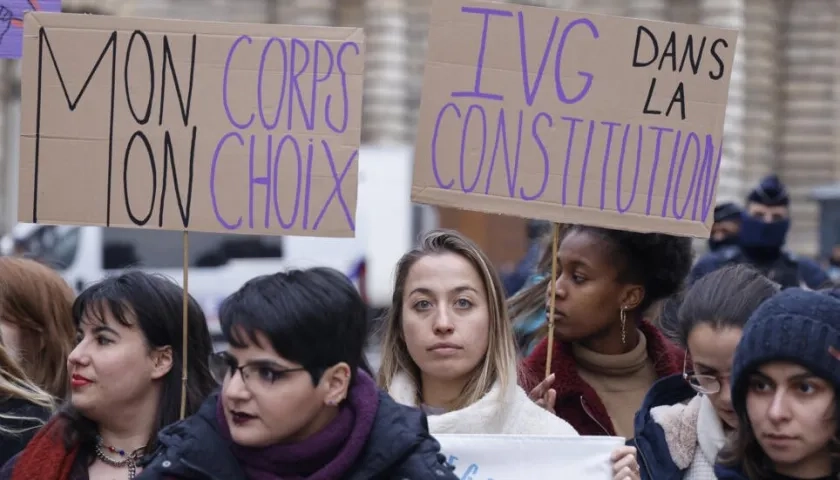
[{"x": 387, "y": 225}]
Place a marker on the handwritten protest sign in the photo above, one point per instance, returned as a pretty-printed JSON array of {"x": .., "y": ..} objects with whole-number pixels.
[
  {"x": 571, "y": 117},
  {"x": 11, "y": 22},
  {"x": 183, "y": 125},
  {"x": 515, "y": 457}
]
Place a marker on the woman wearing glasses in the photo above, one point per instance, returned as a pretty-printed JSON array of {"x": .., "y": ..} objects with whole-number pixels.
[
  {"x": 296, "y": 399},
  {"x": 684, "y": 419}
]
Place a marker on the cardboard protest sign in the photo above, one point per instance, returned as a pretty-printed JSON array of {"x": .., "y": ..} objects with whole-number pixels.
[
  {"x": 572, "y": 117},
  {"x": 514, "y": 457},
  {"x": 11, "y": 22},
  {"x": 184, "y": 125}
]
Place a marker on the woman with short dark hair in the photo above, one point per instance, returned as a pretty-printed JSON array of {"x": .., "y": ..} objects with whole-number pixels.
[{"x": 296, "y": 401}]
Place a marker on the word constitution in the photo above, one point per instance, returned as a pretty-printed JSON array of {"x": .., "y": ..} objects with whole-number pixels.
[{"x": 573, "y": 110}]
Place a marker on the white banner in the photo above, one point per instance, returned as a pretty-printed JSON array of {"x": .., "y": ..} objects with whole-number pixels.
[{"x": 517, "y": 457}]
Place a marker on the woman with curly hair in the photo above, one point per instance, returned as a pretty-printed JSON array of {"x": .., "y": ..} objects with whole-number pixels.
[{"x": 606, "y": 356}]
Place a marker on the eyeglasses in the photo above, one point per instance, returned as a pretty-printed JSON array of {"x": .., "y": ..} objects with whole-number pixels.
[
  {"x": 708, "y": 384},
  {"x": 255, "y": 375}
]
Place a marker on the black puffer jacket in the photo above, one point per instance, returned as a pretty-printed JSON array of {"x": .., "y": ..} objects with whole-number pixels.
[{"x": 399, "y": 448}]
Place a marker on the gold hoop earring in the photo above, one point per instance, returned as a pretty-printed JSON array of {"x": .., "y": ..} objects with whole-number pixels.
[{"x": 623, "y": 326}]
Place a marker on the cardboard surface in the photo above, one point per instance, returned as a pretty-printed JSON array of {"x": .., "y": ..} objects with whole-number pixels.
[
  {"x": 572, "y": 117},
  {"x": 518, "y": 457},
  {"x": 11, "y": 22},
  {"x": 185, "y": 125}
]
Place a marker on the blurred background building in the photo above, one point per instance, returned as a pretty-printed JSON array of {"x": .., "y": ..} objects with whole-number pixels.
[{"x": 784, "y": 100}]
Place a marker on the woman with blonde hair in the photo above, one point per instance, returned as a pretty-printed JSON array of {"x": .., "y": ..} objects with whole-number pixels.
[
  {"x": 24, "y": 407},
  {"x": 449, "y": 348},
  {"x": 36, "y": 321}
]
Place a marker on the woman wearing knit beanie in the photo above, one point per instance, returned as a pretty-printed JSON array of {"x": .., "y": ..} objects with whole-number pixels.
[{"x": 784, "y": 383}]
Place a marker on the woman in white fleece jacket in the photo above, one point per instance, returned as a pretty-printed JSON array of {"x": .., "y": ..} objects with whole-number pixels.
[
  {"x": 448, "y": 348},
  {"x": 682, "y": 424}
]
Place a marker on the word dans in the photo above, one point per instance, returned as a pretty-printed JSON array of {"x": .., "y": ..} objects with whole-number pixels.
[
  {"x": 132, "y": 87},
  {"x": 495, "y": 145},
  {"x": 531, "y": 88},
  {"x": 304, "y": 166},
  {"x": 669, "y": 54},
  {"x": 302, "y": 64}
]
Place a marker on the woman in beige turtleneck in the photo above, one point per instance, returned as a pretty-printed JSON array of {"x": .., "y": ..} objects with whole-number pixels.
[{"x": 605, "y": 356}]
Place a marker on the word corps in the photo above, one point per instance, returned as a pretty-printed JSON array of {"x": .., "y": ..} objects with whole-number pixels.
[{"x": 283, "y": 150}]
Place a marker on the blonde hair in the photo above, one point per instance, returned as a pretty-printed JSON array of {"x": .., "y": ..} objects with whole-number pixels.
[
  {"x": 499, "y": 364},
  {"x": 39, "y": 302},
  {"x": 14, "y": 384}
]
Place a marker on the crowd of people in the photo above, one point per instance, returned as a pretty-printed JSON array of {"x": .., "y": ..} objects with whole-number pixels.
[{"x": 724, "y": 369}]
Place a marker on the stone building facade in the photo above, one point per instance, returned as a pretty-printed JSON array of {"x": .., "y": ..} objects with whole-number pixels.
[{"x": 784, "y": 102}]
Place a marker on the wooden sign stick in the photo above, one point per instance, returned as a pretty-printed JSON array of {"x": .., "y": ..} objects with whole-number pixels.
[{"x": 185, "y": 340}]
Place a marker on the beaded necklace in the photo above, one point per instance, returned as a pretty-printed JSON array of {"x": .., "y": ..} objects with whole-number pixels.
[{"x": 126, "y": 461}]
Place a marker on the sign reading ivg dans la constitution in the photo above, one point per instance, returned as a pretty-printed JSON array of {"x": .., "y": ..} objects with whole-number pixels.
[
  {"x": 184, "y": 125},
  {"x": 571, "y": 117}
]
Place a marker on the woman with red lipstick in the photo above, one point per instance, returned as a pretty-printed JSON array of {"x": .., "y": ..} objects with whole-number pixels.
[
  {"x": 297, "y": 401},
  {"x": 784, "y": 390},
  {"x": 685, "y": 418},
  {"x": 448, "y": 348},
  {"x": 606, "y": 356},
  {"x": 126, "y": 374}
]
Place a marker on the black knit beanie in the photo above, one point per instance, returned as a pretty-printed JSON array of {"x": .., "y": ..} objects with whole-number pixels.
[
  {"x": 796, "y": 326},
  {"x": 770, "y": 191}
]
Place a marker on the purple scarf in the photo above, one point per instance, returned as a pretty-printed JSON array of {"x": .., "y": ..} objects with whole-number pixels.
[{"x": 326, "y": 455}]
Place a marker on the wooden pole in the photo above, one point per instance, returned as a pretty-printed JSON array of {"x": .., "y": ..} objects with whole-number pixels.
[{"x": 185, "y": 340}]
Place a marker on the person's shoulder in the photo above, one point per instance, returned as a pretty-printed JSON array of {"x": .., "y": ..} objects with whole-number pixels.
[
  {"x": 9, "y": 467},
  {"x": 194, "y": 441},
  {"x": 721, "y": 255},
  {"x": 531, "y": 419},
  {"x": 807, "y": 265},
  {"x": 401, "y": 446},
  {"x": 711, "y": 261}
]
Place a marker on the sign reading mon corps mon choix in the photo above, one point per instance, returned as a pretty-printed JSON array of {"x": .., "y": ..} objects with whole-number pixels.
[{"x": 184, "y": 125}]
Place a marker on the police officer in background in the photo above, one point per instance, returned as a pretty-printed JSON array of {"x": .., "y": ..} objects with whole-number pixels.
[
  {"x": 764, "y": 225},
  {"x": 726, "y": 227}
]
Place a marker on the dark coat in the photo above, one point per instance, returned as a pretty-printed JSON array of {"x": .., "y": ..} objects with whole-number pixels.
[
  {"x": 788, "y": 270},
  {"x": 399, "y": 447},
  {"x": 11, "y": 444}
]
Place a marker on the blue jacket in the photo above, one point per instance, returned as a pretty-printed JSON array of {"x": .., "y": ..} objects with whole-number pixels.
[
  {"x": 655, "y": 462},
  {"x": 804, "y": 269},
  {"x": 729, "y": 473},
  {"x": 399, "y": 447},
  {"x": 518, "y": 278}
]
